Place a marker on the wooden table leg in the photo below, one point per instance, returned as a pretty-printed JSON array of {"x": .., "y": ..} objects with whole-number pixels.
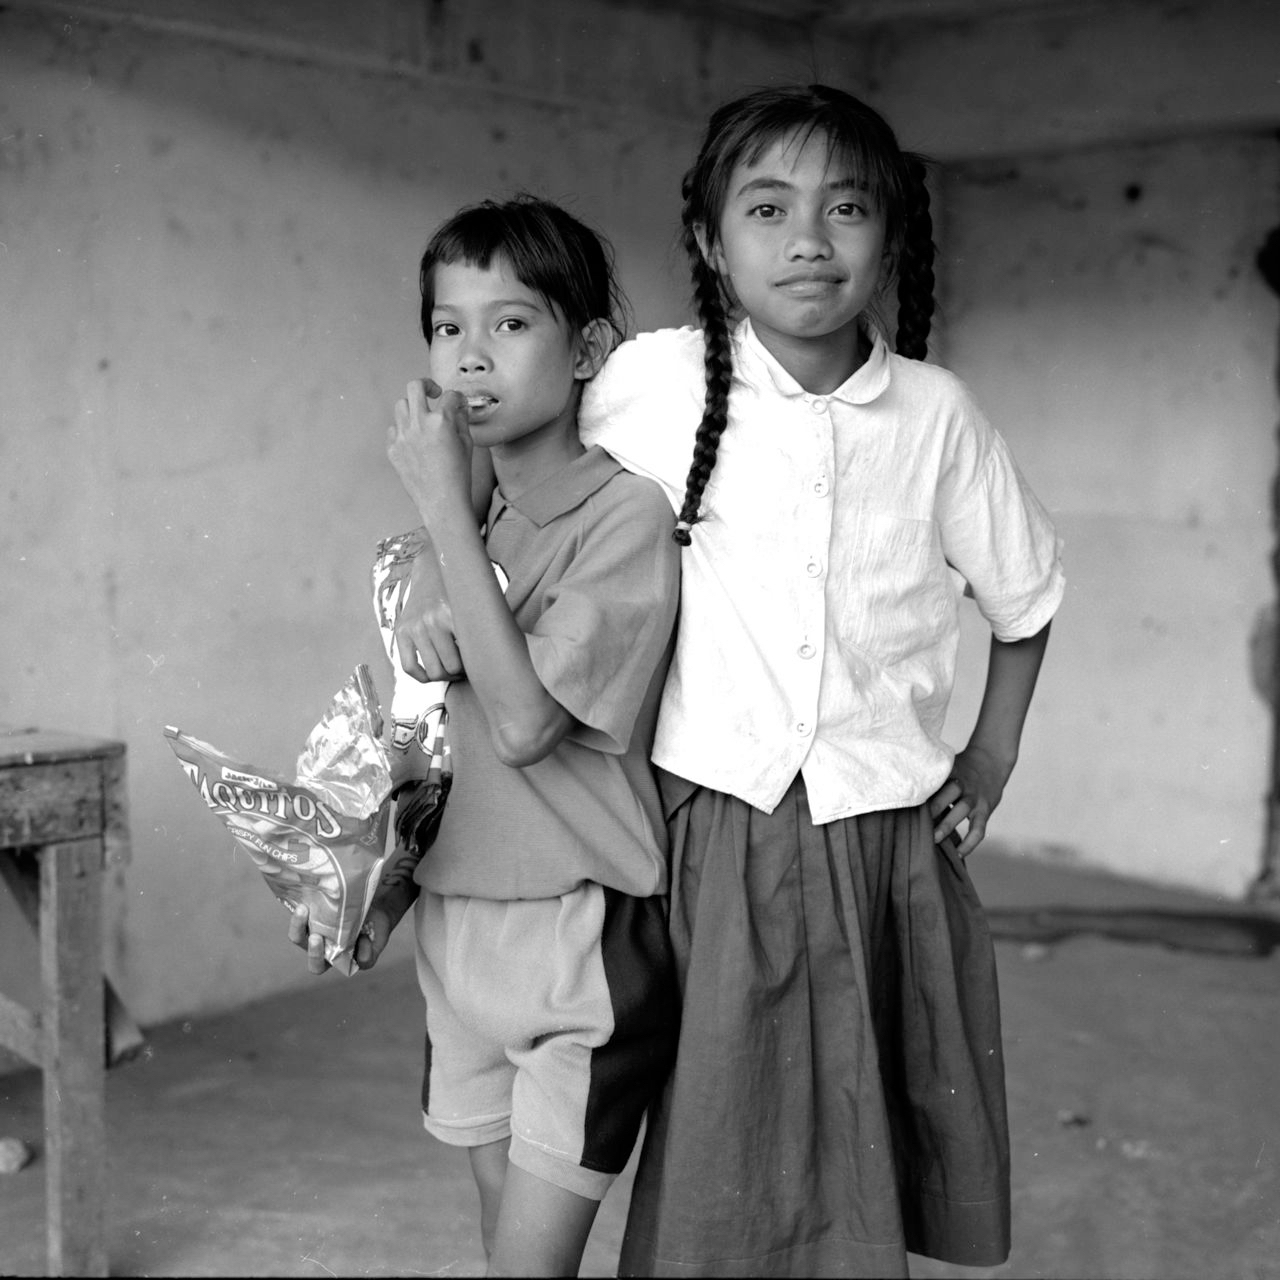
[
  {"x": 20, "y": 870},
  {"x": 72, "y": 1026}
]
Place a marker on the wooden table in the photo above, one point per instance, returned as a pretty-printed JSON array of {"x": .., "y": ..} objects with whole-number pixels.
[{"x": 62, "y": 816}]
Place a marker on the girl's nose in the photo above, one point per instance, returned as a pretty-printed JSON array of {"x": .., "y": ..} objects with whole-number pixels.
[
  {"x": 809, "y": 239},
  {"x": 473, "y": 361}
]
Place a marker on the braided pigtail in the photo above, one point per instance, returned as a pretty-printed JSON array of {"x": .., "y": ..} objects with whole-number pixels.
[
  {"x": 719, "y": 373},
  {"x": 915, "y": 265}
]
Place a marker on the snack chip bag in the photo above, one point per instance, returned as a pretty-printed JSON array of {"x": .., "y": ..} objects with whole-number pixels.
[
  {"x": 318, "y": 841},
  {"x": 421, "y": 767},
  {"x": 418, "y": 716}
]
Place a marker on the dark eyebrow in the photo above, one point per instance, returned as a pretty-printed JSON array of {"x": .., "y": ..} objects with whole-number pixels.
[{"x": 781, "y": 184}]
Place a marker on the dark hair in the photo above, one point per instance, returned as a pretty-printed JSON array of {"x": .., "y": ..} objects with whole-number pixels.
[
  {"x": 740, "y": 131},
  {"x": 565, "y": 262}
]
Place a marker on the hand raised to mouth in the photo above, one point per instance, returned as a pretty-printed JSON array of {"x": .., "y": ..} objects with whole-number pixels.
[{"x": 429, "y": 444}]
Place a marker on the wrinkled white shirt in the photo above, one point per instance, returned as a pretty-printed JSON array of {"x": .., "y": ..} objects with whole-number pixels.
[{"x": 819, "y": 607}]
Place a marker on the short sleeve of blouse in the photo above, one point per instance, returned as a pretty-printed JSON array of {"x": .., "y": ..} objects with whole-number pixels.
[
  {"x": 644, "y": 406},
  {"x": 607, "y": 622},
  {"x": 995, "y": 531}
]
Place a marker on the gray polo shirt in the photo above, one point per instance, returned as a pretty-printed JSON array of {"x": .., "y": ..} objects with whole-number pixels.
[{"x": 594, "y": 584}]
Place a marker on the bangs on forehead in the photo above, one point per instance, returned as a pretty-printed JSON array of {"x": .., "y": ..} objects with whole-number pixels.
[
  {"x": 486, "y": 251},
  {"x": 849, "y": 154}
]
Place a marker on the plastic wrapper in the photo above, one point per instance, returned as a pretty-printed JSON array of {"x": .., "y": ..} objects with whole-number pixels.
[
  {"x": 319, "y": 841},
  {"x": 421, "y": 765}
]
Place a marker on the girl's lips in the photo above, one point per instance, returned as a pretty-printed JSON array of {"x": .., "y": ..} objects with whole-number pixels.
[
  {"x": 811, "y": 277},
  {"x": 480, "y": 401},
  {"x": 808, "y": 286}
]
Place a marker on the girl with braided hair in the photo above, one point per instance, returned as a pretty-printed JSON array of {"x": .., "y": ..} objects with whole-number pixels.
[{"x": 838, "y": 1096}]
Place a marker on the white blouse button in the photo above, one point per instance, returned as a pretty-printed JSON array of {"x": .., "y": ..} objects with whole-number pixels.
[
  {"x": 813, "y": 568},
  {"x": 818, "y": 404},
  {"x": 820, "y": 486},
  {"x": 806, "y": 650},
  {"x": 802, "y": 728}
]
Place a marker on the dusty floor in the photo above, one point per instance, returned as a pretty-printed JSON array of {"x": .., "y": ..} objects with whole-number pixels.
[{"x": 1144, "y": 1093}]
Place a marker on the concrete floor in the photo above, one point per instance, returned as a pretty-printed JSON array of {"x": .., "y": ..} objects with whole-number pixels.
[{"x": 283, "y": 1139}]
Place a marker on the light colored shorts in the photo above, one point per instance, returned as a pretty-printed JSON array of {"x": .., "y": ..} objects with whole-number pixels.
[{"x": 552, "y": 1021}]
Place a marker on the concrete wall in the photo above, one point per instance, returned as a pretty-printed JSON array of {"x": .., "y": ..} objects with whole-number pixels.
[
  {"x": 1105, "y": 307},
  {"x": 210, "y": 218}
]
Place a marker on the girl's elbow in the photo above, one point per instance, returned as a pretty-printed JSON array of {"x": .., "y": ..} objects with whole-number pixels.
[
  {"x": 516, "y": 750},
  {"x": 520, "y": 743}
]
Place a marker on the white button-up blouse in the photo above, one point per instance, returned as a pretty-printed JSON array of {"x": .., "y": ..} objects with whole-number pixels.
[{"x": 819, "y": 606}]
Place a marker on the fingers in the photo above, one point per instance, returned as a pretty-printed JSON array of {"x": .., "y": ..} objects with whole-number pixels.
[
  {"x": 312, "y": 943},
  {"x": 316, "y": 963},
  {"x": 949, "y": 822},
  {"x": 368, "y": 947},
  {"x": 949, "y": 806},
  {"x": 447, "y": 663},
  {"x": 453, "y": 405},
  {"x": 427, "y": 653},
  {"x": 412, "y": 406},
  {"x": 366, "y": 954},
  {"x": 407, "y": 656},
  {"x": 298, "y": 923},
  {"x": 422, "y": 390},
  {"x": 373, "y": 938},
  {"x": 418, "y": 392},
  {"x": 945, "y": 796},
  {"x": 419, "y": 425},
  {"x": 974, "y": 836}
]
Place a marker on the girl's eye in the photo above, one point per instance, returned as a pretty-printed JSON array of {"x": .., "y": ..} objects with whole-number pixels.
[
  {"x": 766, "y": 212},
  {"x": 445, "y": 329},
  {"x": 512, "y": 324},
  {"x": 850, "y": 210}
]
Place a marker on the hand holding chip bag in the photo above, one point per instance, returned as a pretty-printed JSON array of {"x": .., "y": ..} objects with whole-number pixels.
[{"x": 318, "y": 841}]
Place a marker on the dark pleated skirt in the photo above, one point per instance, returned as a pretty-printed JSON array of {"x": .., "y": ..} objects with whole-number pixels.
[{"x": 838, "y": 1096}]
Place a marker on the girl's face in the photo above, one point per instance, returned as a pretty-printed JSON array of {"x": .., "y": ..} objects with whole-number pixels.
[
  {"x": 503, "y": 347},
  {"x": 800, "y": 243}
]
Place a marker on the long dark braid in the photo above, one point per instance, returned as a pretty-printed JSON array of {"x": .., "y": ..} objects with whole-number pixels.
[
  {"x": 915, "y": 265},
  {"x": 718, "y": 363}
]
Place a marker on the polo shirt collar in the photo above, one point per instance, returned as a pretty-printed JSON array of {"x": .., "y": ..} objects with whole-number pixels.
[
  {"x": 560, "y": 493},
  {"x": 861, "y": 387}
]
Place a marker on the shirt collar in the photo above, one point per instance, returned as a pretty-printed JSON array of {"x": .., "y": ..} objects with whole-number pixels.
[
  {"x": 861, "y": 387},
  {"x": 558, "y": 494}
]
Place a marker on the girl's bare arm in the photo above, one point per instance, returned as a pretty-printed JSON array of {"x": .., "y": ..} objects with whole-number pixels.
[{"x": 982, "y": 769}]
